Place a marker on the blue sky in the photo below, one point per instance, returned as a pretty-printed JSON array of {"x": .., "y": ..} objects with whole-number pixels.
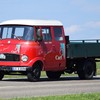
[{"x": 81, "y": 18}]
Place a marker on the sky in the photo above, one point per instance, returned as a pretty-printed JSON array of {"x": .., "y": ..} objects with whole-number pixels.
[{"x": 81, "y": 18}]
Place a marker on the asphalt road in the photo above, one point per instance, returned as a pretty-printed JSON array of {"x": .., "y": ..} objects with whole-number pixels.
[{"x": 10, "y": 88}]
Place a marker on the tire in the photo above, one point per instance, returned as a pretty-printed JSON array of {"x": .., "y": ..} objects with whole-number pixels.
[
  {"x": 34, "y": 74},
  {"x": 86, "y": 69},
  {"x": 53, "y": 75},
  {"x": 1, "y": 75}
]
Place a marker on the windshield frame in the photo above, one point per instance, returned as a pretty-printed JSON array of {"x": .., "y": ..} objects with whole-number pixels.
[{"x": 12, "y": 32}]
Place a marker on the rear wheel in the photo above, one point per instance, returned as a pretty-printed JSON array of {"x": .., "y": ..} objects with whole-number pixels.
[
  {"x": 34, "y": 74},
  {"x": 1, "y": 75},
  {"x": 53, "y": 75},
  {"x": 86, "y": 69}
]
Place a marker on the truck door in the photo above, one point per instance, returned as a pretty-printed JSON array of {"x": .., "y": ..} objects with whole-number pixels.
[
  {"x": 59, "y": 45},
  {"x": 46, "y": 46},
  {"x": 53, "y": 48}
]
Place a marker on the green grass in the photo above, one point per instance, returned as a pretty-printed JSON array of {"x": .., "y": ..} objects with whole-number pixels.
[
  {"x": 98, "y": 65},
  {"x": 91, "y": 96},
  {"x": 98, "y": 68}
]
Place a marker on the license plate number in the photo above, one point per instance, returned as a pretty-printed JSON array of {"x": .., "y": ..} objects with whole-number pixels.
[{"x": 19, "y": 68}]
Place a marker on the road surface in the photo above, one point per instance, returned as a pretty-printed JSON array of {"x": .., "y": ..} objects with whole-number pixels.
[{"x": 11, "y": 88}]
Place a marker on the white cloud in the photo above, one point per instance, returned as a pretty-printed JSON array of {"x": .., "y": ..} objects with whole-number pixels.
[
  {"x": 72, "y": 29},
  {"x": 88, "y": 30},
  {"x": 77, "y": 28}
]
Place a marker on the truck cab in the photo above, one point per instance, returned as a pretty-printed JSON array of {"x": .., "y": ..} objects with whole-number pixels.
[{"x": 30, "y": 46}]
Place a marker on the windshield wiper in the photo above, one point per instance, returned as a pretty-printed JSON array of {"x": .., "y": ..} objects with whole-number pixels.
[{"x": 16, "y": 37}]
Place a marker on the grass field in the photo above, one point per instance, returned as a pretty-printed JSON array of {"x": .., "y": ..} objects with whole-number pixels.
[
  {"x": 91, "y": 96},
  {"x": 98, "y": 68}
]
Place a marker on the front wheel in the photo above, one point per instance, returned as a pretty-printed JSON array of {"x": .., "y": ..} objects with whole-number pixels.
[
  {"x": 53, "y": 75},
  {"x": 34, "y": 74}
]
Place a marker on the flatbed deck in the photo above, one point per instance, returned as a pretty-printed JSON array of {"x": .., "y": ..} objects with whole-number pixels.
[{"x": 83, "y": 49}]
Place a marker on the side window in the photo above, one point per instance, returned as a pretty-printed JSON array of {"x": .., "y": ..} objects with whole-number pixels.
[
  {"x": 58, "y": 33},
  {"x": 46, "y": 34}
]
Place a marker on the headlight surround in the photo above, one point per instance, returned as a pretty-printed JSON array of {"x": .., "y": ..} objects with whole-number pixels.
[{"x": 24, "y": 58}]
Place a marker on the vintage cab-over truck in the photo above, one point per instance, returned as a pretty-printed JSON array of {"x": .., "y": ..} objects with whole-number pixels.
[{"x": 31, "y": 46}]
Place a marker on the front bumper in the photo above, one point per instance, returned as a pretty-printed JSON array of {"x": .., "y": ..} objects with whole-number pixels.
[{"x": 13, "y": 69}]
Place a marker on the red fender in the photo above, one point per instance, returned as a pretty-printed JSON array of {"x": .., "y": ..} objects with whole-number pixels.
[{"x": 31, "y": 62}]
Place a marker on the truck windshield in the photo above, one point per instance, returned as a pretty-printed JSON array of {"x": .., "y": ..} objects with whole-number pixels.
[{"x": 17, "y": 32}]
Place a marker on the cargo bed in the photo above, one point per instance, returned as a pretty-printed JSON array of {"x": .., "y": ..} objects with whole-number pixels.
[{"x": 83, "y": 49}]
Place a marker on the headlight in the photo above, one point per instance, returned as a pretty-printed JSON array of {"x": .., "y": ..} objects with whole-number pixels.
[{"x": 24, "y": 58}]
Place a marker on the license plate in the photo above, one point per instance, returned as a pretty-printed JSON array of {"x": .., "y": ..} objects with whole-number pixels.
[
  {"x": 19, "y": 68},
  {"x": 2, "y": 56}
]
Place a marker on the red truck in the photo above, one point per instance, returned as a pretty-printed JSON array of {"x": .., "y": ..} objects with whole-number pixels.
[{"x": 31, "y": 46}]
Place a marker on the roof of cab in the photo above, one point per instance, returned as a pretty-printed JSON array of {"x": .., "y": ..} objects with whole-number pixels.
[{"x": 32, "y": 22}]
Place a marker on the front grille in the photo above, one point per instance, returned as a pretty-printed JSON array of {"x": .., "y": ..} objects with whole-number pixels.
[{"x": 11, "y": 57}]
